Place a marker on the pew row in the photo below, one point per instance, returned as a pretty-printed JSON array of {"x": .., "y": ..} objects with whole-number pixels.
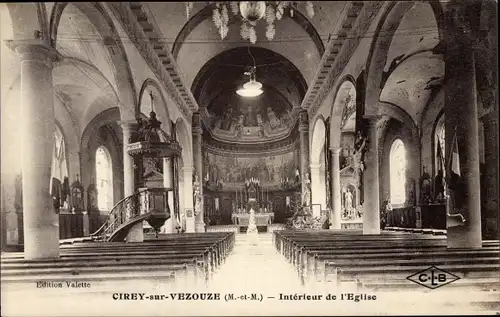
[
  {"x": 187, "y": 259},
  {"x": 384, "y": 261}
]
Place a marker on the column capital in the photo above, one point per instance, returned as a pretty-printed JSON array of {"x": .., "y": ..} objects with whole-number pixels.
[
  {"x": 128, "y": 125},
  {"x": 335, "y": 150},
  {"x": 34, "y": 50},
  {"x": 372, "y": 119}
]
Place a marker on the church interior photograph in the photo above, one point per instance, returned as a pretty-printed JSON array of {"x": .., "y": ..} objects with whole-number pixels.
[{"x": 249, "y": 158}]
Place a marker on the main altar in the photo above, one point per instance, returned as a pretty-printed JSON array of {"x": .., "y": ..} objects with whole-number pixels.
[{"x": 252, "y": 196}]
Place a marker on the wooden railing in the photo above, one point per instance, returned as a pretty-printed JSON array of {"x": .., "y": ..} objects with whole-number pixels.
[{"x": 134, "y": 208}]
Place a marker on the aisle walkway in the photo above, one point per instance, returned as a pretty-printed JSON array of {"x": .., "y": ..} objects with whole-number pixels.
[{"x": 255, "y": 266}]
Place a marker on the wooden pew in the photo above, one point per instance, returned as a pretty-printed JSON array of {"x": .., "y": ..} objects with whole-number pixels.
[
  {"x": 189, "y": 257},
  {"x": 382, "y": 261}
]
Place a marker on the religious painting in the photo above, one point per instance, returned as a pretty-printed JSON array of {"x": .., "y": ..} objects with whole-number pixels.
[
  {"x": 266, "y": 116},
  {"x": 272, "y": 170},
  {"x": 347, "y": 153}
]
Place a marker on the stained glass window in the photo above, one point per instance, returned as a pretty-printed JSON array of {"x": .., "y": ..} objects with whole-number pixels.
[
  {"x": 104, "y": 179},
  {"x": 398, "y": 172}
]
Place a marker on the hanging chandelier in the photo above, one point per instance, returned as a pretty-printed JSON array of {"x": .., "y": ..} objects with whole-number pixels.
[
  {"x": 252, "y": 88},
  {"x": 250, "y": 12}
]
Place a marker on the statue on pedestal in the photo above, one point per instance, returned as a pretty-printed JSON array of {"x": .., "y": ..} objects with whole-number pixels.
[
  {"x": 252, "y": 228},
  {"x": 306, "y": 196},
  {"x": 196, "y": 195},
  {"x": 348, "y": 203}
]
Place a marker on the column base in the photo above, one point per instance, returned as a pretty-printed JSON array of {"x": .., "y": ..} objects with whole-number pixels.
[
  {"x": 335, "y": 222},
  {"x": 168, "y": 227},
  {"x": 136, "y": 233},
  {"x": 490, "y": 230},
  {"x": 41, "y": 243},
  {"x": 12, "y": 228},
  {"x": 200, "y": 227},
  {"x": 464, "y": 237},
  {"x": 367, "y": 230},
  {"x": 190, "y": 227},
  {"x": 85, "y": 220}
]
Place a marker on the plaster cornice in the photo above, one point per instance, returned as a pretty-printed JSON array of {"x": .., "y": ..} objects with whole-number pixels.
[
  {"x": 353, "y": 25},
  {"x": 144, "y": 35}
]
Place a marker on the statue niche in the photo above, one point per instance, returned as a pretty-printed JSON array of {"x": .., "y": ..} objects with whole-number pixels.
[{"x": 351, "y": 169}]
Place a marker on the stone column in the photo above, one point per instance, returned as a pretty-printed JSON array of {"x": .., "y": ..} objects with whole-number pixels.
[
  {"x": 304, "y": 150},
  {"x": 371, "y": 212},
  {"x": 336, "y": 198},
  {"x": 490, "y": 178},
  {"x": 461, "y": 116},
  {"x": 136, "y": 233},
  {"x": 198, "y": 167},
  {"x": 187, "y": 171},
  {"x": 168, "y": 182},
  {"x": 316, "y": 188},
  {"x": 41, "y": 223}
]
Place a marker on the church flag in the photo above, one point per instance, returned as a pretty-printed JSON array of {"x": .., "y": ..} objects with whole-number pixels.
[
  {"x": 453, "y": 164},
  {"x": 455, "y": 217},
  {"x": 440, "y": 161},
  {"x": 53, "y": 169},
  {"x": 57, "y": 172},
  {"x": 455, "y": 156}
]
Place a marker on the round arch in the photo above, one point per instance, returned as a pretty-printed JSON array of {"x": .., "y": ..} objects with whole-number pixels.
[
  {"x": 206, "y": 13},
  {"x": 98, "y": 16},
  {"x": 160, "y": 103},
  {"x": 29, "y": 21},
  {"x": 381, "y": 44},
  {"x": 183, "y": 137},
  {"x": 318, "y": 164},
  {"x": 318, "y": 139},
  {"x": 344, "y": 89},
  {"x": 91, "y": 139}
]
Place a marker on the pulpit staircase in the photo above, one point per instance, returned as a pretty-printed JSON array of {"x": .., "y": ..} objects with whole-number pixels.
[{"x": 148, "y": 204}]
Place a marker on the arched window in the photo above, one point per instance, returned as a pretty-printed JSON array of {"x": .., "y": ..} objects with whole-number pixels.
[
  {"x": 104, "y": 179},
  {"x": 398, "y": 172}
]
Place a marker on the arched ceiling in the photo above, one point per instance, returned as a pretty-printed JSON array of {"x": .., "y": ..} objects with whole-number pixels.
[
  {"x": 413, "y": 72},
  {"x": 260, "y": 119},
  {"x": 78, "y": 38},
  {"x": 300, "y": 40},
  {"x": 83, "y": 90}
]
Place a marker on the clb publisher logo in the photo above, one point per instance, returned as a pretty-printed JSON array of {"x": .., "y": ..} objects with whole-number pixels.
[{"x": 433, "y": 277}]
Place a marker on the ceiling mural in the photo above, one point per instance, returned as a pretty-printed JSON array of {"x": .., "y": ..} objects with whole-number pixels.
[
  {"x": 234, "y": 118},
  {"x": 253, "y": 119}
]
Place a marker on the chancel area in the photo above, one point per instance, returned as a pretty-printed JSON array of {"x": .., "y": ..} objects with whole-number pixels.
[{"x": 342, "y": 148}]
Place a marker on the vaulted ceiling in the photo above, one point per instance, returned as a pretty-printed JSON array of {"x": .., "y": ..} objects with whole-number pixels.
[{"x": 214, "y": 68}]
